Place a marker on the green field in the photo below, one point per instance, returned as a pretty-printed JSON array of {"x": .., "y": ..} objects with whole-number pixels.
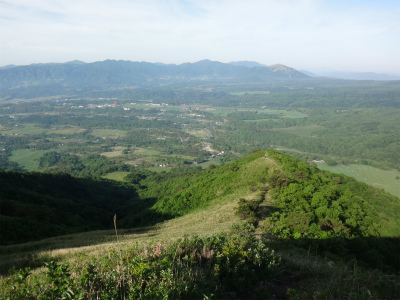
[
  {"x": 262, "y": 120},
  {"x": 198, "y": 133},
  {"x": 187, "y": 157},
  {"x": 215, "y": 161},
  {"x": 27, "y": 158},
  {"x": 308, "y": 130},
  {"x": 282, "y": 113},
  {"x": 30, "y": 129},
  {"x": 119, "y": 176},
  {"x": 160, "y": 169},
  {"x": 221, "y": 110},
  {"x": 146, "y": 152},
  {"x": 117, "y": 151},
  {"x": 144, "y": 155},
  {"x": 70, "y": 130},
  {"x": 378, "y": 178},
  {"x": 111, "y": 133}
]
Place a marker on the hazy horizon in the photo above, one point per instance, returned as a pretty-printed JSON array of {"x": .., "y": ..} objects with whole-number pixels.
[
  {"x": 316, "y": 71},
  {"x": 356, "y": 36}
]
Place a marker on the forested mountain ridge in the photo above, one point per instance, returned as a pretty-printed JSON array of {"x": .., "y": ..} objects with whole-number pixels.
[{"x": 111, "y": 73}]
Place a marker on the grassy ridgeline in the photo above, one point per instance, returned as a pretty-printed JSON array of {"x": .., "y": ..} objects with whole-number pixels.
[
  {"x": 335, "y": 237},
  {"x": 328, "y": 205}
]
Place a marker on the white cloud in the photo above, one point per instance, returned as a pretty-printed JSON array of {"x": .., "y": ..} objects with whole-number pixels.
[{"x": 299, "y": 33}]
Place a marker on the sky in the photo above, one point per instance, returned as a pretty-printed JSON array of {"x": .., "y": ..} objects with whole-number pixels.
[{"x": 345, "y": 35}]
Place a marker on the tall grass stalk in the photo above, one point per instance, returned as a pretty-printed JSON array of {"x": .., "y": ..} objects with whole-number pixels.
[{"x": 115, "y": 226}]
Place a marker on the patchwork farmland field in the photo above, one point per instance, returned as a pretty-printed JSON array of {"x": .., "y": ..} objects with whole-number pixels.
[
  {"x": 382, "y": 179},
  {"x": 27, "y": 158},
  {"x": 110, "y": 133},
  {"x": 118, "y": 176}
]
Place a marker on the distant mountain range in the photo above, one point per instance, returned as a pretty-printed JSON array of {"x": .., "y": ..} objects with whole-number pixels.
[
  {"x": 111, "y": 73},
  {"x": 352, "y": 75}
]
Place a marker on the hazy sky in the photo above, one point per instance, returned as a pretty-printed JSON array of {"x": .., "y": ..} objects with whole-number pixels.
[{"x": 349, "y": 35}]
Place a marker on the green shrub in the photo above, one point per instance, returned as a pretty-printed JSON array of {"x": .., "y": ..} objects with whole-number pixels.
[
  {"x": 248, "y": 210},
  {"x": 189, "y": 268}
]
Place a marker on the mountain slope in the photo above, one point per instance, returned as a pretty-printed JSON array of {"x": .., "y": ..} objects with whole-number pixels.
[
  {"x": 290, "y": 72},
  {"x": 110, "y": 73},
  {"x": 248, "y": 64}
]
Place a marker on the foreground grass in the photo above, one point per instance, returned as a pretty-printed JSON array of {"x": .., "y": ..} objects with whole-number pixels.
[
  {"x": 71, "y": 254},
  {"x": 188, "y": 268},
  {"x": 98, "y": 265},
  {"x": 221, "y": 266}
]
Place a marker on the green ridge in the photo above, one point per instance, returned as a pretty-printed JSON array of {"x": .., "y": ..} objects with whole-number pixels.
[{"x": 332, "y": 236}]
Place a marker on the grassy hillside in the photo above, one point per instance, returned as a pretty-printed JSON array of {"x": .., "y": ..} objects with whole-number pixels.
[{"x": 307, "y": 233}]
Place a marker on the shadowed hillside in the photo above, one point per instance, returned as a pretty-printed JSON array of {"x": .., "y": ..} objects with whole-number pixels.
[{"x": 36, "y": 205}]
